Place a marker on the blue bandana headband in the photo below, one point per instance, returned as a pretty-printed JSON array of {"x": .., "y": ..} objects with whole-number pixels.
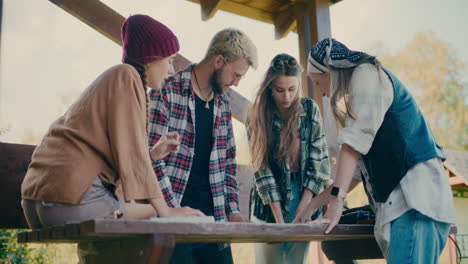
[{"x": 330, "y": 52}]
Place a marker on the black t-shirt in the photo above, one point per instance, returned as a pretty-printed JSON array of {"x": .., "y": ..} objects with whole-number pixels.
[{"x": 198, "y": 191}]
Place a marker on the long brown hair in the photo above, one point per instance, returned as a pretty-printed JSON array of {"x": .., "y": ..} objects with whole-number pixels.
[
  {"x": 261, "y": 114},
  {"x": 341, "y": 78}
]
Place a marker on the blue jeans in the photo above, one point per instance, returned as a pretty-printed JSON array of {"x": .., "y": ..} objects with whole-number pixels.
[
  {"x": 295, "y": 199},
  {"x": 416, "y": 238}
]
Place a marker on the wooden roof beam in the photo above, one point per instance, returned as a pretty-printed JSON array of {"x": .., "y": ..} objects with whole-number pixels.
[
  {"x": 457, "y": 180},
  {"x": 242, "y": 10},
  {"x": 108, "y": 22},
  {"x": 96, "y": 15},
  {"x": 209, "y": 8},
  {"x": 105, "y": 20},
  {"x": 285, "y": 21}
]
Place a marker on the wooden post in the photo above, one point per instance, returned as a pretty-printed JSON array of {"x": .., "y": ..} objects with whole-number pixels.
[
  {"x": 313, "y": 25},
  {"x": 1, "y": 22}
]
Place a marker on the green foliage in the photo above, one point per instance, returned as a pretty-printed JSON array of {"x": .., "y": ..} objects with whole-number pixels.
[
  {"x": 434, "y": 73},
  {"x": 10, "y": 250},
  {"x": 13, "y": 253}
]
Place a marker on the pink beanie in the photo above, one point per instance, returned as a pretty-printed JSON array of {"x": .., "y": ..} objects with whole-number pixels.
[{"x": 144, "y": 40}]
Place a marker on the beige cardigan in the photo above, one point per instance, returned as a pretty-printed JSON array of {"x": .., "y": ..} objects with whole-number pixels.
[{"x": 103, "y": 134}]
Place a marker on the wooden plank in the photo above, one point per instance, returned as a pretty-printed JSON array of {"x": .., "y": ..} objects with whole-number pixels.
[
  {"x": 225, "y": 232},
  {"x": 245, "y": 184},
  {"x": 243, "y": 10},
  {"x": 271, "y": 6},
  {"x": 239, "y": 105},
  {"x": 108, "y": 229},
  {"x": 180, "y": 63},
  {"x": 209, "y": 8},
  {"x": 105, "y": 20},
  {"x": 284, "y": 22},
  {"x": 264, "y": 10},
  {"x": 95, "y": 14},
  {"x": 14, "y": 162}
]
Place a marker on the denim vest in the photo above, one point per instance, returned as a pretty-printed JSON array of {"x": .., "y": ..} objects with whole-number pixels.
[{"x": 403, "y": 139}]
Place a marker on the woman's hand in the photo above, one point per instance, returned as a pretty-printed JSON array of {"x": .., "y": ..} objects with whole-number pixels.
[
  {"x": 168, "y": 143},
  {"x": 180, "y": 212},
  {"x": 333, "y": 214},
  {"x": 303, "y": 216},
  {"x": 160, "y": 206},
  {"x": 307, "y": 196}
]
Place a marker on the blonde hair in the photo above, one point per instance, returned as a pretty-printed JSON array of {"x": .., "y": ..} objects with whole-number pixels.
[
  {"x": 233, "y": 44},
  {"x": 340, "y": 87},
  {"x": 260, "y": 116}
]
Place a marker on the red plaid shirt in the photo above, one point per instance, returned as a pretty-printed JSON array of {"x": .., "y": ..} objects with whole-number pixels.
[{"x": 173, "y": 109}]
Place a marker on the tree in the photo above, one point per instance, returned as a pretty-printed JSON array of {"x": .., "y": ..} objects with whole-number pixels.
[{"x": 433, "y": 73}]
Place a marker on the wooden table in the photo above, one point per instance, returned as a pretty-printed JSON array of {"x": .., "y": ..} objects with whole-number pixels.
[{"x": 145, "y": 241}]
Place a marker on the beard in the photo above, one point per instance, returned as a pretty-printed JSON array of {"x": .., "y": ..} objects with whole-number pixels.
[{"x": 215, "y": 82}]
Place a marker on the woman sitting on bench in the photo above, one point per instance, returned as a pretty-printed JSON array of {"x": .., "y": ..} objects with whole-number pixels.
[{"x": 101, "y": 142}]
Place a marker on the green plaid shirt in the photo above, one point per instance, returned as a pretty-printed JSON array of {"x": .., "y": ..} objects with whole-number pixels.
[{"x": 274, "y": 183}]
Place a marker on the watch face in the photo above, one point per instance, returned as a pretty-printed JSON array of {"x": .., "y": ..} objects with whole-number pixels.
[{"x": 335, "y": 191}]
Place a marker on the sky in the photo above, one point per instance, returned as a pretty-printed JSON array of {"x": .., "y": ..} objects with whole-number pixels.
[{"x": 48, "y": 57}]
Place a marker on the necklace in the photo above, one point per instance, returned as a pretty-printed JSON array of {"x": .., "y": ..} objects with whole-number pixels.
[{"x": 207, "y": 106}]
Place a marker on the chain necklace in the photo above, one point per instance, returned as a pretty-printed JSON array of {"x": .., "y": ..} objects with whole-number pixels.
[{"x": 207, "y": 106}]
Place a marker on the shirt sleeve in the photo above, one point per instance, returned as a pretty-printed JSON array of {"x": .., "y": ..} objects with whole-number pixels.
[
  {"x": 230, "y": 180},
  {"x": 266, "y": 186},
  {"x": 158, "y": 125},
  {"x": 318, "y": 169},
  {"x": 371, "y": 95},
  {"x": 126, "y": 122}
]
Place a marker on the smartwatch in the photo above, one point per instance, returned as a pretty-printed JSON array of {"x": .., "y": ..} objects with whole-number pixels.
[{"x": 335, "y": 191}]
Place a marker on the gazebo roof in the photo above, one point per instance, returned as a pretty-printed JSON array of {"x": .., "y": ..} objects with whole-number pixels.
[
  {"x": 281, "y": 13},
  {"x": 457, "y": 164}
]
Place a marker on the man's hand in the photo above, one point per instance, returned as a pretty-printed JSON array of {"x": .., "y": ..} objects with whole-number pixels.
[
  {"x": 168, "y": 143},
  {"x": 236, "y": 217}
]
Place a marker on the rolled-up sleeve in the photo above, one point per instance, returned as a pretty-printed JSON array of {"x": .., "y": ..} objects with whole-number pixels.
[
  {"x": 318, "y": 170},
  {"x": 266, "y": 185},
  {"x": 371, "y": 95}
]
